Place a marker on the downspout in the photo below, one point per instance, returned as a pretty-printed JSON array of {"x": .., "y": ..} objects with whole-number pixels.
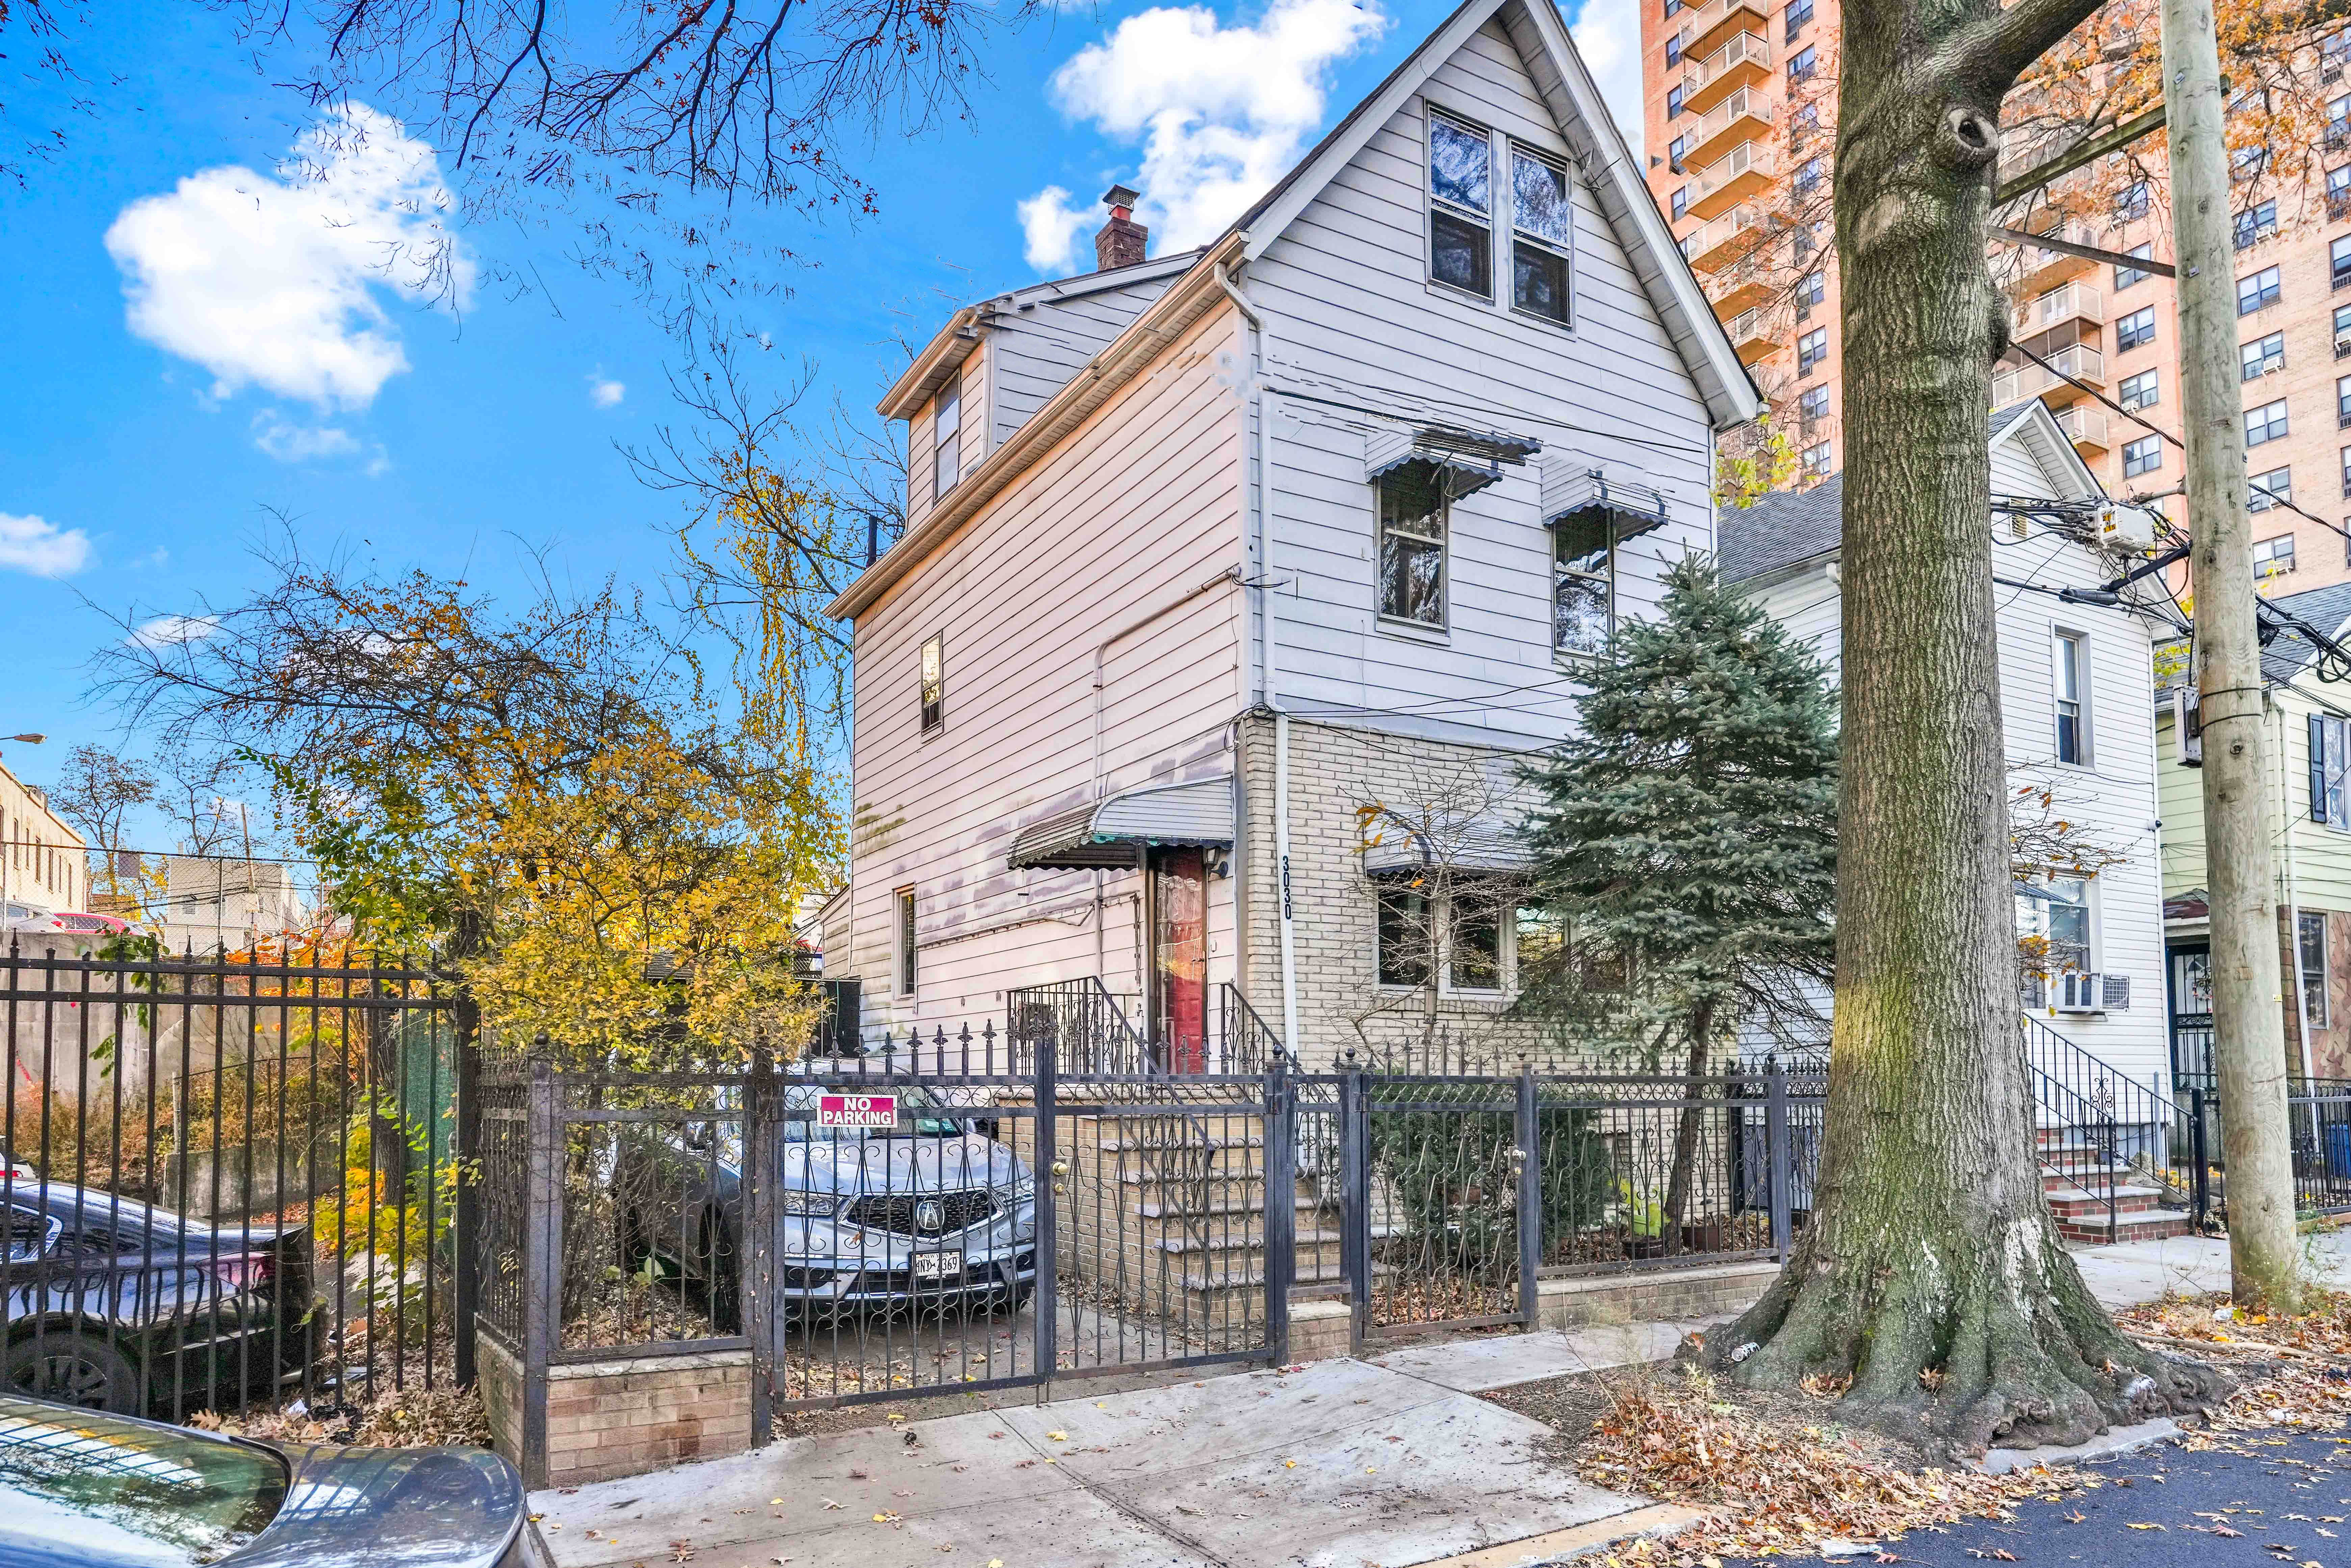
[
  {"x": 2292, "y": 895},
  {"x": 1254, "y": 494}
]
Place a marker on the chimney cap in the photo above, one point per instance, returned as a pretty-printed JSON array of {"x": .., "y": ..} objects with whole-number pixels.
[{"x": 1121, "y": 196}]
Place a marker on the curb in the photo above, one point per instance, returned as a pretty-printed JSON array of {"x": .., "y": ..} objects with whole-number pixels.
[{"x": 1565, "y": 1545}]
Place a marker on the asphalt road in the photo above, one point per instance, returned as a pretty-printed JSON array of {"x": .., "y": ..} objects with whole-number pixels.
[{"x": 2291, "y": 1505}]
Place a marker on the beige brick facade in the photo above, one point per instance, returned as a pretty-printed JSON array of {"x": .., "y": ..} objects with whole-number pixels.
[
  {"x": 1335, "y": 773},
  {"x": 623, "y": 1417}
]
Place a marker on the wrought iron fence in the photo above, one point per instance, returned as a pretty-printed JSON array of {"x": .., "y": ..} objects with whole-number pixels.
[{"x": 229, "y": 1178}]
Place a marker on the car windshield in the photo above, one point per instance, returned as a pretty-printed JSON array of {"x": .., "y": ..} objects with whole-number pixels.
[
  {"x": 79, "y": 1487},
  {"x": 919, "y": 1116}
]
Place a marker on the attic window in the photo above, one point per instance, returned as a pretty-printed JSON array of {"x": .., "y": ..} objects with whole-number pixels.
[
  {"x": 1460, "y": 206},
  {"x": 947, "y": 446},
  {"x": 1542, "y": 225}
]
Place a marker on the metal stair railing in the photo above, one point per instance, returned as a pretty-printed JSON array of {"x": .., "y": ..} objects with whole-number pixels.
[{"x": 2077, "y": 1088}]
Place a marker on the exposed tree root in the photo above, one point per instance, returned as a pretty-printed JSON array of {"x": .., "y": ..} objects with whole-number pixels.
[{"x": 2002, "y": 1345}]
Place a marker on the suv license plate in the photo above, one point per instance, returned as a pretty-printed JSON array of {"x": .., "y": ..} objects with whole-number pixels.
[{"x": 937, "y": 1265}]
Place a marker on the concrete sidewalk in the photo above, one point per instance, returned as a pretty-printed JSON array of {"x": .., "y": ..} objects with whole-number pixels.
[{"x": 1391, "y": 1461}]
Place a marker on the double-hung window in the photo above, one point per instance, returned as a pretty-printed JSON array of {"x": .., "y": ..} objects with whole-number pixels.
[
  {"x": 1681, "y": 201},
  {"x": 2338, "y": 263},
  {"x": 1802, "y": 64},
  {"x": 2135, "y": 328},
  {"x": 2327, "y": 760},
  {"x": 2262, "y": 357},
  {"x": 1460, "y": 206},
  {"x": 1542, "y": 232},
  {"x": 1798, "y": 13},
  {"x": 1673, "y": 100},
  {"x": 2125, "y": 277},
  {"x": 1412, "y": 546},
  {"x": 1811, "y": 289},
  {"x": 2343, "y": 402},
  {"x": 2267, "y": 422},
  {"x": 1582, "y": 589},
  {"x": 2131, "y": 199},
  {"x": 1404, "y": 937},
  {"x": 1812, "y": 465},
  {"x": 2054, "y": 915},
  {"x": 901, "y": 941},
  {"x": 2310, "y": 956},
  {"x": 946, "y": 439},
  {"x": 2256, "y": 223},
  {"x": 2338, "y": 189},
  {"x": 2071, "y": 683},
  {"x": 1813, "y": 404},
  {"x": 2141, "y": 391},
  {"x": 935, "y": 684},
  {"x": 1808, "y": 176},
  {"x": 1811, "y": 350},
  {"x": 2347, "y": 474},
  {"x": 2263, "y": 491},
  {"x": 2260, "y": 290}
]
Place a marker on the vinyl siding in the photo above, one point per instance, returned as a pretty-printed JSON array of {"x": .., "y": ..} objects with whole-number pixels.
[
  {"x": 1353, "y": 320},
  {"x": 2115, "y": 797},
  {"x": 1039, "y": 344},
  {"x": 1120, "y": 536}
]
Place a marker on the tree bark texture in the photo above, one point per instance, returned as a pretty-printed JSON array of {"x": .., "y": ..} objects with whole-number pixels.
[
  {"x": 1683, "y": 1178},
  {"x": 1931, "y": 1273},
  {"x": 2248, "y": 1000}
]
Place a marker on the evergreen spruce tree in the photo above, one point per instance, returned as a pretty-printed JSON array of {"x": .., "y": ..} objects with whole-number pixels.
[{"x": 1687, "y": 833}]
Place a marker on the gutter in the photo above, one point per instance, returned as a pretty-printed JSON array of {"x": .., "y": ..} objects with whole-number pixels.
[
  {"x": 1173, "y": 314},
  {"x": 949, "y": 348}
]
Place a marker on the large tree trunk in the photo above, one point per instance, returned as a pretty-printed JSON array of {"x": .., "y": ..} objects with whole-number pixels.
[{"x": 1931, "y": 1273}]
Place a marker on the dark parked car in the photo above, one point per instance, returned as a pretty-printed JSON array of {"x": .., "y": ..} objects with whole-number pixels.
[
  {"x": 113, "y": 1305},
  {"x": 81, "y": 1488},
  {"x": 928, "y": 1214}
]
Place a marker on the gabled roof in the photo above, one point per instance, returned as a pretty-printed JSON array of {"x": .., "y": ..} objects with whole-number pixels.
[
  {"x": 1602, "y": 155},
  {"x": 1790, "y": 527},
  {"x": 1607, "y": 165}
]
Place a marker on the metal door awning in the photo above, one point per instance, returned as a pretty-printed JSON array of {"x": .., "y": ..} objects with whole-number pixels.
[
  {"x": 1628, "y": 508},
  {"x": 1464, "y": 843},
  {"x": 1111, "y": 833}
]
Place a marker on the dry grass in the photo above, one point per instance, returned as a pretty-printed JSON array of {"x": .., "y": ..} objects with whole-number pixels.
[{"x": 394, "y": 1419}]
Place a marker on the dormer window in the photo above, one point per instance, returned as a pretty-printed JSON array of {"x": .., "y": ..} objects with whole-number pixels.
[
  {"x": 1460, "y": 206},
  {"x": 947, "y": 443}
]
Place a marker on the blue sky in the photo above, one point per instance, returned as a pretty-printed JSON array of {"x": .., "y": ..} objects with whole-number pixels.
[{"x": 189, "y": 341}]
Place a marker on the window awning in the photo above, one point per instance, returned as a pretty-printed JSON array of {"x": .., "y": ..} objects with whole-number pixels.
[
  {"x": 1629, "y": 508},
  {"x": 1111, "y": 833},
  {"x": 1467, "y": 461},
  {"x": 1465, "y": 843}
]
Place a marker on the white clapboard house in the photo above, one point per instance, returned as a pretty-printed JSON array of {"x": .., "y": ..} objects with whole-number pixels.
[
  {"x": 1235, "y": 582},
  {"x": 2076, "y": 690}
]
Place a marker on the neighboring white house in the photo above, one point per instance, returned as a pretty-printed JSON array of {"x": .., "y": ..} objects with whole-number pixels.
[
  {"x": 1224, "y": 571},
  {"x": 2076, "y": 688}
]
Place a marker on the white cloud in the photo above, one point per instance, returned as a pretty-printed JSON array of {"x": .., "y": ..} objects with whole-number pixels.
[
  {"x": 1607, "y": 34},
  {"x": 275, "y": 279},
  {"x": 1221, "y": 113},
  {"x": 1050, "y": 223},
  {"x": 604, "y": 392},
  {"x": 299, "y": 443},
  {"x": 35, "y": 545},
  {"x": 171, "y": 631}
]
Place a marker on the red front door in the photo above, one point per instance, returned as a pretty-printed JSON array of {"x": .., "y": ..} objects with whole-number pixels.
[{"x": 1179, "y": 958}]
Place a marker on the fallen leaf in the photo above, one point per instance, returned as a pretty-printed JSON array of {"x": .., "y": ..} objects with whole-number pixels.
[
  {"x": 1057, "y": 1437},
  {"x": 2142, "y": 1527}
]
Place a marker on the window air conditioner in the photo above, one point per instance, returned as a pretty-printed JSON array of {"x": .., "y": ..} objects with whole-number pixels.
[{"x": 2079, "y": 991}]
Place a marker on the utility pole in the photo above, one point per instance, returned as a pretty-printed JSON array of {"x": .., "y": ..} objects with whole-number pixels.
[{"x": 2248, "y": 1016}]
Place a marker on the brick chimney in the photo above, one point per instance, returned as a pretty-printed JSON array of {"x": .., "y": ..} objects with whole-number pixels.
[{"x": 1120, "y": 242}]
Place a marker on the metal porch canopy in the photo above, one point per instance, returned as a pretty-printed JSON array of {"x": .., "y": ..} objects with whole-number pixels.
[{"x": 1111, "y": 833}]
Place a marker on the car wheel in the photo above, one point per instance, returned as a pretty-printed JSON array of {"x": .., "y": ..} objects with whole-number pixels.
[{"x": 71, "y": 1368}]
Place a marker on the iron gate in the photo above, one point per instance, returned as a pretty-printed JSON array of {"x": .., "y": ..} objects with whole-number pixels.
[{"x": 226, "y": 1178}]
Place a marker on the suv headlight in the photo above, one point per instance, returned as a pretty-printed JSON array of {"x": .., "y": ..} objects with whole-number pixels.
[{"x": 800, "y": 1201}]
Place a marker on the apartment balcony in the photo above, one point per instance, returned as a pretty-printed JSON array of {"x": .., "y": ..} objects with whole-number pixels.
[
  {"x": 1746, "y": 113},
  {"x": 1742, "y": 173},
  {"x": 1711, "y": 24},
  {"x": 1756, "y": 334},
  {"x": 2078, "y": 363},
  {"x": 1717, "y": 242},
  {"x": 2077, "y": 306},
  {"x": 1742, "y": 289},
  {"x": 2046, "y": 269},
  {"x": 2086, "y": 428},
  {"x": 1744, "y": 60}
]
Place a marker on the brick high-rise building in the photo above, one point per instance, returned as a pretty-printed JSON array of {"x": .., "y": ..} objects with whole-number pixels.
[{"x": 1729, "y": 91}]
